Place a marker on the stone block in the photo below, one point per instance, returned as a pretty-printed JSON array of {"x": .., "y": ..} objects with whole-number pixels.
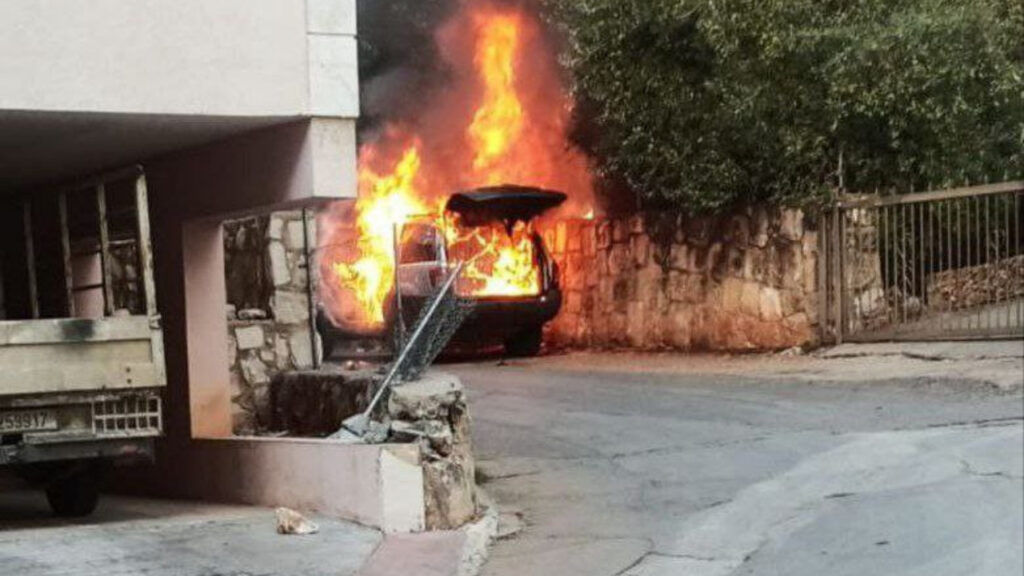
[
  {"x": 732, "y": 293},
  {"x": 636, "y": 224},
  {"x": 232, "y": 350},
  {"x": 249, "y": 337},
  {"x": 281, "y": 352},
  {"x": 430, "y": 397},
  {"x": 737, "y": 230},
  {"x": 603, "y": 233},
  {"x": 295, "y": 239},
  {"x": 679, "y": 331},
  {"x": 641, "y": 248},
  {"x": 290, "y": 307},
  {"x": 771, "y": 304},
  {"x": 791, "y": 224},
  {"x": 750, "y": 299},
  {"x": 267, "y": 355},
  {"x": 230, "y": 312},
  {"x": 698, "y": 231},
  {"x": 759, "y": 233},
  {"x": 561, "y": 237},
  {"x": 279, "y": 273},
  {"x": 250, "y": 314},
  {"x": 619, "y": 260},
  {"x": 589, "y": 240},
  {"x": 254, "y": 370},
  {"x": 301, "y": 348},
  {"x": 682, "y": 258},
  {"x": 574, "y": 240},
  {"x": 275, "y": 228},
  {"x": 620, "y": 230},
  {"x": 635, "y": 324}
]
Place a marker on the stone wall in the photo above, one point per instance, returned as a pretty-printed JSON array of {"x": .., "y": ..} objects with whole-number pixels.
[
  {"x": 268, "y": 309},
  {"x": 746, "y": 281}
]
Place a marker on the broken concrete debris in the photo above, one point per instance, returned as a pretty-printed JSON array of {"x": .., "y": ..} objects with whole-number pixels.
[{"x": 291, "y": 522}]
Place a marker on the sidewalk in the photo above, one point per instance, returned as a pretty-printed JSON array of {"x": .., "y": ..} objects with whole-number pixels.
[
  {"x": 133, "y": 536},
  {"x": 984, "y": 364}
]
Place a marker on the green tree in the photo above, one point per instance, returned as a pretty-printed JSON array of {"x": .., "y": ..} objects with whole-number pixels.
[{"x": 703, "y": 104}]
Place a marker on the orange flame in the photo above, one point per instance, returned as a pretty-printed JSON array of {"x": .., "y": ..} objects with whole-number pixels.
[
  {"x": 498, "y": 122},
  {"x": 512, "y": 136},
  {"x": 385, "y": 201}
]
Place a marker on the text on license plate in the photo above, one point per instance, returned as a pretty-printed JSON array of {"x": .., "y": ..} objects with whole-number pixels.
[{"x": 27, "y": 421}]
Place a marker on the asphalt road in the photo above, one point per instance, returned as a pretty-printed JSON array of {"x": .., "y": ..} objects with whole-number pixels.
[{"x": 620, "y": 466}]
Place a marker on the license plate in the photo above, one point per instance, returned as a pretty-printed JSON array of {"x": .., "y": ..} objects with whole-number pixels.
[{"x": 27, "y": 421}]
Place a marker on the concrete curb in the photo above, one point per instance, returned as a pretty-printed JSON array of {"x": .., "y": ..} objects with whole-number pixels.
[{"x": 459, "y": 552}]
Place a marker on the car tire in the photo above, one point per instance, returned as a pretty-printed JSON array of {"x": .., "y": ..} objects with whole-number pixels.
[
  {"x": 75, "y": 494},
  {"x": 525, "y": 344}
]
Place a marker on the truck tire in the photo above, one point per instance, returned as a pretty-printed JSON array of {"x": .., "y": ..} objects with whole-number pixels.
[
  {"x": 75, "y": 494},
  {"x": 525, "y": 344}
]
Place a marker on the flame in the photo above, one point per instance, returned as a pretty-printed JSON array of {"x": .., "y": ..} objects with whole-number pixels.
[
  {"x": 514, "y": 134},
  {"x": 498, "y": 263},
  {"x": 498, "y": 122},
  {"x": 385, "y": 201}
]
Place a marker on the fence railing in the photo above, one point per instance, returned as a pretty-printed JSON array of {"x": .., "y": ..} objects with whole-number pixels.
[{"x": 934, "y": 265}]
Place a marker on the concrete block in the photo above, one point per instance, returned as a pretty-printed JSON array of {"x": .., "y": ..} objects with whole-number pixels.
[
  {"x": 333, "y": 76},
  {"x": 331, "y": 17},
  {"x": 249, "y": 337}
]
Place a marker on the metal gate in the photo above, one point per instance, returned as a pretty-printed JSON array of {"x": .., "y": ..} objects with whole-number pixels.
[{"x": 927, "y": 266}]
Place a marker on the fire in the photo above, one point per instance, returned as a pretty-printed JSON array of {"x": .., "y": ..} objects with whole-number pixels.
[
  {"x": 384, "y": 201},
  {"x": 498, "y": 263},
  {"x": 514, "y": 133},
  {"x": 498, "y": 122}
]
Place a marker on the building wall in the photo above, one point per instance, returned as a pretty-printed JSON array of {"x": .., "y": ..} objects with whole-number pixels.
[
  {"x": 741, "y": 282},
  {"x": 201, "y": 57}
]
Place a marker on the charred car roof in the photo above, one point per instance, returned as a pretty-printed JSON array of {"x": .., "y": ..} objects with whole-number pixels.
[{"x": 506, "y": 203}]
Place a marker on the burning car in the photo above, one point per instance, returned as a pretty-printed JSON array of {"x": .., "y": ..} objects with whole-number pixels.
[{"x": 507, "y": 269}]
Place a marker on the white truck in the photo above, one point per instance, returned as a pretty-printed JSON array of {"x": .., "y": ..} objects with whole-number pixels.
[{"x": 81, "y": 347}]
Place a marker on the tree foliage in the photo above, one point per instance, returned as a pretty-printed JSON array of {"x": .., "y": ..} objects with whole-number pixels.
[{"x": 702, "y": 104}]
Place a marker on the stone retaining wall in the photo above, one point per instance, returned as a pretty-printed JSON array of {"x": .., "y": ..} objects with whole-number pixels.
[
  {"x": 268, "y": 309},
  {"x": 746, "y": 281}
]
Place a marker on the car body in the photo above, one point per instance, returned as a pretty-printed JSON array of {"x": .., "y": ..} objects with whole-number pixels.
[{"x": 515, "y": 322}]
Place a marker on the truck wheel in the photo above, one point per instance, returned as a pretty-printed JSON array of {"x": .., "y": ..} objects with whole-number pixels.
[
  {"x": 525, "y": 344},
  {"x": 75, "y": 494}
]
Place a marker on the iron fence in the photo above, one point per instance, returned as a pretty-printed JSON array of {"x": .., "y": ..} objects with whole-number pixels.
[{"x": 935, "y": 265}]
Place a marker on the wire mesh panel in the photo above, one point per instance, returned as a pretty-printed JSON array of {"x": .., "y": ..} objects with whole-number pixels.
[{"x": 933, "y": 265}]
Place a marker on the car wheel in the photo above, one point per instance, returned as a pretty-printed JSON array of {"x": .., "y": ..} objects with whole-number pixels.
[
  {"x": 76, "y": 493},
  {"x": 526, "y": 343}
]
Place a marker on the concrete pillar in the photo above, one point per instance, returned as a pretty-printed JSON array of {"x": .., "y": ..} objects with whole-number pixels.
[{"x": 206, "y": 329}]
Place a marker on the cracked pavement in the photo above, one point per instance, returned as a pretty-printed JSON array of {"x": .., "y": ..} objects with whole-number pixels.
[{"x": 637, "y": 465}]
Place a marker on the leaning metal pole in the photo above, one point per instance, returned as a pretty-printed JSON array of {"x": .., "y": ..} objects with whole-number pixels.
[{"x": 359, "y": 424}]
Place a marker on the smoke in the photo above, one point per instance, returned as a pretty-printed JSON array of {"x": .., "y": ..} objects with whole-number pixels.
[
  {"x": 399, "y": 63},
  {"x": 401, "y": 67}
]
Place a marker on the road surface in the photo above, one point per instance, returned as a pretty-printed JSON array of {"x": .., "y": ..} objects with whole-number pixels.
[{"x": 658, "y": 465}]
